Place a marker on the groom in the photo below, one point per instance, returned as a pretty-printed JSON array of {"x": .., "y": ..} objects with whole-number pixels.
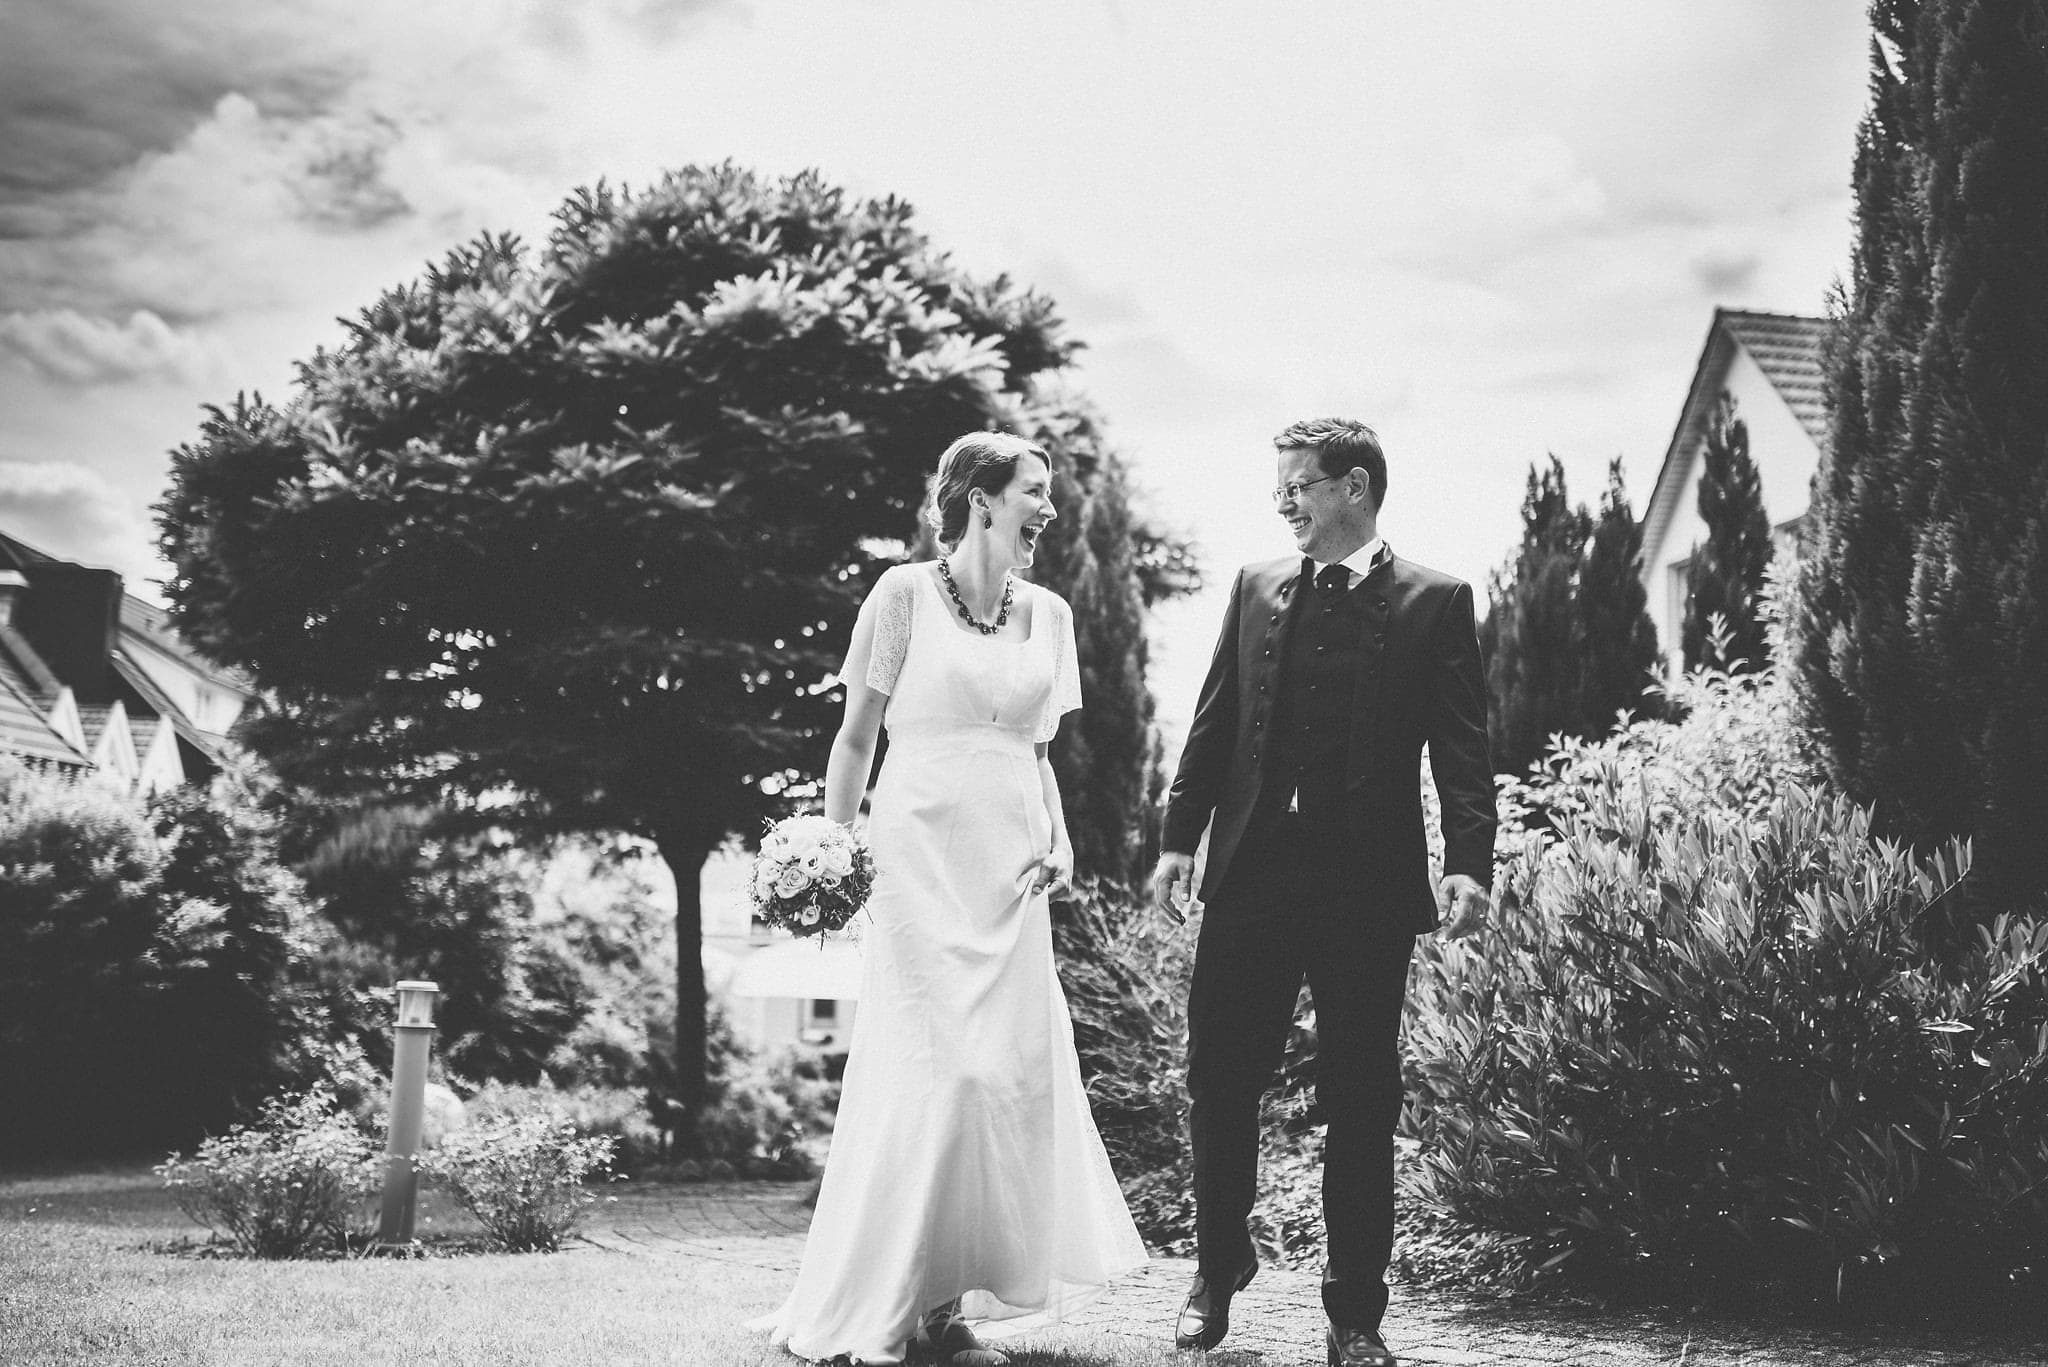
[{"x": 1333, "y": 670}]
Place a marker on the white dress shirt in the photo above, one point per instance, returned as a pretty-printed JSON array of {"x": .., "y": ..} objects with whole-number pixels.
[{"x": 1359, "y": 561}]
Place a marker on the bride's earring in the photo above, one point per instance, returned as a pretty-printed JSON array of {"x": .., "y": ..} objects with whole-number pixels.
[{"x": 988, "y": 520}]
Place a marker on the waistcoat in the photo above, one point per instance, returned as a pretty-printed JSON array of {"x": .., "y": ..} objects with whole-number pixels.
[{"x": 1319, "y": 675}]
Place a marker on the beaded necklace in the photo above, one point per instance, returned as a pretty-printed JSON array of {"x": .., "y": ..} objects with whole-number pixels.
[{"x": 953, "y": 591}]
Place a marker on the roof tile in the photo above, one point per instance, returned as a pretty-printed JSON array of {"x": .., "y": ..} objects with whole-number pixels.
[
  {"x": 26, "y": 732},
  {"x": 1788, "y": 350}
]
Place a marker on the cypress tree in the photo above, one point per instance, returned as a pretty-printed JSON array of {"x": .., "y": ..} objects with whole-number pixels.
[
  {"x": 1922, "y": 635},
  {"x": 1107, "y": 756},
  {"x": 1111, "y": 562},
  {"x": 1727, "y": 572},
  {"x": 1620, "y": 652},
  {"x": 1532, "y": 639}
]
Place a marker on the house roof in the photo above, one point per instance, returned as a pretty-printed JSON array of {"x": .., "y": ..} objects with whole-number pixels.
[
  {"x": 25, "y": 732},
  {"x": 1787, "y": 348},
  {"x": 154, "y": 625},
  {"x": 30, "y": 692},
  {"x": 93, "y": 718},
  {"x": 209, "y": 743},
  {"x": 24, "y": 672}
]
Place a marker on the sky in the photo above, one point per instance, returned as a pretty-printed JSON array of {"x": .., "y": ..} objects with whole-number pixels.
[{"x": 1493, "y": 231}]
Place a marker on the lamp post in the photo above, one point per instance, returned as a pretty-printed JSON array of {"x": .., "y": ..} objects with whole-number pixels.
[{"x": 415, "y": 1035}]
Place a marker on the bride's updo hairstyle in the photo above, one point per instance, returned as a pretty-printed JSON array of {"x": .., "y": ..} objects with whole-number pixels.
[{"x": 980, "y": 460}]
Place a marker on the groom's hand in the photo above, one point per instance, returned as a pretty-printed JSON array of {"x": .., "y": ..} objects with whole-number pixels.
[
  {"x": 1173, "y": 885},
  {"x": 1461, "y": 904}
]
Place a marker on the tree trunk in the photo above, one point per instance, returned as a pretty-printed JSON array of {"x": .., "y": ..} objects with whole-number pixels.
[{"x": 685, "y": 858}]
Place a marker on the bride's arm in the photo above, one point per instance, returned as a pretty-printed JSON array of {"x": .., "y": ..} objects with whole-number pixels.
[
  {"x": 853, "y": 753},
  {"x": 881, "y": 634}
]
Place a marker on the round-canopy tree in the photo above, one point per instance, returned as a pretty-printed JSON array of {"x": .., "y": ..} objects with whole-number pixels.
[{"x": 571, "y": 539}]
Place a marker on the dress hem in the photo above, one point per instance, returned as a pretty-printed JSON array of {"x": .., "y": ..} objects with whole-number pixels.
[{"x": 1077, "y": 1297}]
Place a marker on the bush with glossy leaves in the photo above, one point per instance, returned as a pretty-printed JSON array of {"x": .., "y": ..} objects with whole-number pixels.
[{"x": 1704, "y": 1047}]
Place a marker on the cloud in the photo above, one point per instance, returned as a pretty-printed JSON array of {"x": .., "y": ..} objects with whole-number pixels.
[
  {"x": 73, "y": 512},
  {"x": 244, "y": 213},
  {"x": 1154, "y": 377},
  {"x": 1487, "y": 228},
  {"x": 74, "y": 349},
  {"x": 1722, "y": 277},
  {"x": 283, "y": 154},
  {"x": 76, "y": 108}
]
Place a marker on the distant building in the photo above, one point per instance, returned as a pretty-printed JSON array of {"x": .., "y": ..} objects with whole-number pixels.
[
  {"x": 93, "y": 679},
  {"x": 777, "y": 991},
  {"x": 1770, "y": 364}
]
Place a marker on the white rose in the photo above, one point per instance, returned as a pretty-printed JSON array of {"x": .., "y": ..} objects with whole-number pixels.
[
  {"x": 809, "y": 916},
  {"x": 838, "y": 860},
  {"x": 812, "y": 862},
  {"x": 791, "y": 881}
]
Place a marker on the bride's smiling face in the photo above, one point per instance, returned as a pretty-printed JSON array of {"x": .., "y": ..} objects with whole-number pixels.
[{"x": 1022, "y": 510}]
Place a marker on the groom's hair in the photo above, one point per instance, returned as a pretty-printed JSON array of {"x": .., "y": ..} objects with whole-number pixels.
[{"x": 1341, "y": 445}]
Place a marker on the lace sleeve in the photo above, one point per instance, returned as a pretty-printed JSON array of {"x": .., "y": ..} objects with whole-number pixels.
[
  {"x": 1066, "y": 669},
  {"x": 881, "y": 634}
]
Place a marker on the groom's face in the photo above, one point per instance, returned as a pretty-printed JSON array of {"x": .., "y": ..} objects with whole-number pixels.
[{"x": 1328, "y": 520}]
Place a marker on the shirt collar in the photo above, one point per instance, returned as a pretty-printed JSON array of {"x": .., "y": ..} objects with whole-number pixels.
[{"x": 1360, "y": 561}]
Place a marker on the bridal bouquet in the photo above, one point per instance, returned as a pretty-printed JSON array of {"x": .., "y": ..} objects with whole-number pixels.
[{"x": 811, "y": 875}]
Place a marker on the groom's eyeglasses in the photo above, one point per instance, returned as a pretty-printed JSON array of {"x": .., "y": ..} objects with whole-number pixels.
[{"x": 1287, "y": 493}]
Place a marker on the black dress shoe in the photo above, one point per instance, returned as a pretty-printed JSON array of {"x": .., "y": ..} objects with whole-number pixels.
[
  {"x": 1357, "y": 1348},
  {"x": 1205, "y": 1315}
]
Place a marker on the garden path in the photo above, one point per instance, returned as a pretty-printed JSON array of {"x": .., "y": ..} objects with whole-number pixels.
[{"x": 1278, "y": 1319}]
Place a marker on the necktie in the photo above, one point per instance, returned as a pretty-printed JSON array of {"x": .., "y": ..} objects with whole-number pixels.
[{"x": 1333, "y": 579}]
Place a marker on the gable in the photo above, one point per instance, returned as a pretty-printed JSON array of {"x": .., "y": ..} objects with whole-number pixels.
[
  {"x": 1783, "y": 404},
  {"x": 94, "y": 678}
]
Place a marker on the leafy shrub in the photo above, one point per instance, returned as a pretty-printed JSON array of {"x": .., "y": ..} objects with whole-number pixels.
[
  {"x": 1703, "y": 1046},
  {"x": 765, "y": 1114},
  {"x": 521, "y": 1176},
  {"x": 291, "y": 1184},
  {"x": 614, "y": 1113},
  {"x": 1125, "y": 969},
  {"x": 554, "y": 962},
  {"x": 150, "y": 959}
]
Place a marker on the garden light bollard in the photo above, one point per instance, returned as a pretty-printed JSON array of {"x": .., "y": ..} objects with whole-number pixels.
[{"x": 415, "y": 1035}]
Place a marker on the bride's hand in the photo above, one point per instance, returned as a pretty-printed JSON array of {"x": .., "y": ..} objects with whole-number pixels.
[{"x": 1054, "y": 874}]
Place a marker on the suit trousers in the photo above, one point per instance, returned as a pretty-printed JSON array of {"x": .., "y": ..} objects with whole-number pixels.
[{"x": 1296, "y": 905}]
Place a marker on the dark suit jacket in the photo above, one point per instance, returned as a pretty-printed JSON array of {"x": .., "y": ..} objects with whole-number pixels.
[{"x": 1422, "y": 682}]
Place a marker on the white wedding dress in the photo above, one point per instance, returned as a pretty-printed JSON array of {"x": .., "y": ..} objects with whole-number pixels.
[{"x": 964, "y": 1161}]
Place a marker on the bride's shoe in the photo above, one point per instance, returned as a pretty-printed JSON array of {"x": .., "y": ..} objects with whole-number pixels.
[{"x": 948, "y": 1339}]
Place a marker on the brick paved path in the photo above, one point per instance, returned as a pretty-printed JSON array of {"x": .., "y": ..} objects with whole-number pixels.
[{"x": 1278, "y": 1318}]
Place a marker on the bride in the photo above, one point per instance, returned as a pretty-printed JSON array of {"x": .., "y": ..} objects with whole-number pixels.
[{"x": 966, "y": 1184}]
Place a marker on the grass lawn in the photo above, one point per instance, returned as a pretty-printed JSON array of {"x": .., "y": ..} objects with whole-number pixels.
[{"x": 99, "y": 1267}]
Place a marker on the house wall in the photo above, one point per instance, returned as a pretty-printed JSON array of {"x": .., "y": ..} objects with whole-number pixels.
[
  {"x": 769, "y": 1024},
  {"x": 1786, "y": 459},
  {"x": 213, "y": 705}
]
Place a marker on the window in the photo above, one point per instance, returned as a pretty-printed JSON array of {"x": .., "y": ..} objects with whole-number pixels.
[{"x": 1678, "y": 573}]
